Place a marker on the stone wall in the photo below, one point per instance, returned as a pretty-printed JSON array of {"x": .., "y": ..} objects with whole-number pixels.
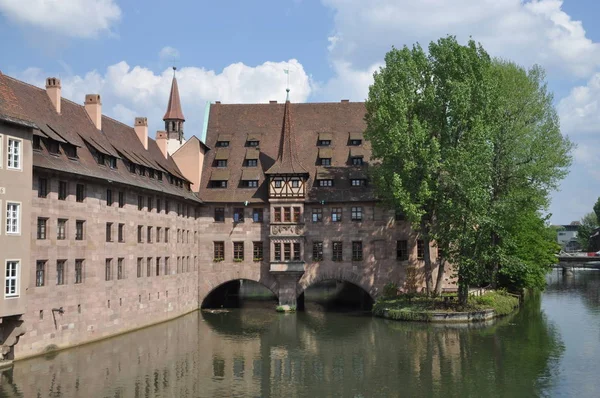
[{"x": 97, "y": 308}]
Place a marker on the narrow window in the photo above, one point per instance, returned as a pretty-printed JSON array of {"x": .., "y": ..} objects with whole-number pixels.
[
  {"x": 40, "y": 273},
  {"x": 149, "y": 267},
  {"x": 296, "y": 214},
  {"x": 337, "y": 251},
  {"x": 149, "y": 203},
  {"x": 107, "y": 269},
  {"x": 61, "y": 229},
  {"x": 62, "y": 190},
  {"x": 158, "y": 234},
  {"x": 121, "y": 199},
  {"x": 149, "y": 235},
  {"x": 401, "y": 250},
  {"x": 60, "y": 272},
  {"x": 80, "y": 193},
  {"x": 357, "y": 251},
  {"x": 287, "y": 251},
  {"x": 219, "y": 214},
  {"x": 139, "y": 266},
  {"x": 13, "y": 218},
  {"x": 287, "y": 214},
  {"x": 79, "y": 229},
  {"x": 157, "y": 266},
  {"x": 109, "y": 198},
  {"x": 11, "y": 281},
  {"x": 238, "y": 251},
  {"x": 140, "y": 234},
  {"x": 219, "y": 251},
  {"x": 14, "y": 154},
  {"x": 78, "y": 271},
  {"x": 420, "y": 249},
  {"x": 167, "y": 266},
  {"x": 167, "y": 207},
  {"x": 296, "y": 248},
  {"x": 277, "y": 214},
  {"x": 140, "y": 202},
  {"x": 238, "y": 214},
  {"x": 42, "y": 187},
  {"x": 336, "y": 214},
  {"x": 357, "y": 213},
  {"x": 41, "y": 227},
  {"x": 257, "y": 251},
  {"x": 317, "y": 251},
  {"x": 257, "y": 215},
  {"x": 277, "y": 251},
  {"x": 121, "y": 233},
  {"x": 109, "y": 231},
  {"x": 167, "y": 235},
  {"x": 158, "y": 206},
  {"x": 317, "y": 214}
]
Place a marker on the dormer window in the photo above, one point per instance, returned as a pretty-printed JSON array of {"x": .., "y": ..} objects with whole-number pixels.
[
  {"x": 253, "y": 143},
  {"x": 357, "y": 161},
  {"x": 355, "y": 139},
  {"x": 251, "y": 184},
  {"x": 223, "y": 140},
  {"x": 218, "y": 184},
  {"x": 325, "y": 161},
  {"x": 251, "y": 162},
  {"x": 324, "y": 139},
  {"x": 151, "y": 173},
  {"x": 100, "y": 158},
  {"x": 222, "y": 144},
  {"x": 222, "y": 163},
  {"x": 112, "y": 162},
  {"x": 37, "y": 143},
  {"x": 357, "y": 182},
  {"x": 52, "y": 147},
  {"x": 159, "y": 175},
  {"x": 132, "y": 168},
  {"x": 326, "y": 183},
  {"x": 70, "y": 150},
  {"x": 325, "y": 155}
]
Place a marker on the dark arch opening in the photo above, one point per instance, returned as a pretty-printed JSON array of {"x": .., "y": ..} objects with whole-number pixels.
[
  {"x": 239, "y": 293},
  {"x": 335, "y": 295}
]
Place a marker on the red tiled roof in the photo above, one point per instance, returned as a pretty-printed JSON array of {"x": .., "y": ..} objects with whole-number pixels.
[
  {"x": 174, "y": 107},
  {"x": 287, "y": 162},
  {"x": 240, "y": 121},
  {"x": 10, "y": 109},
  {"x": 75, "y": 127}
]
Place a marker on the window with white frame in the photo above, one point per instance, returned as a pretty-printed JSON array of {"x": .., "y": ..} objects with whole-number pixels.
[
  {"x": 13, "y": 218},
  {"x": 11, "y": 282},
  {"x": 14, "y": 153}
]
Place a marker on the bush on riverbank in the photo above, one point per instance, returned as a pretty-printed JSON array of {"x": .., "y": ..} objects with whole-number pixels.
[{"x": 418, "y": 307}]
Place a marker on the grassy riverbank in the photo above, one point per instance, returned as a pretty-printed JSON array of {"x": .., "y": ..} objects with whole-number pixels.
[{"x": 420, "y": 308}]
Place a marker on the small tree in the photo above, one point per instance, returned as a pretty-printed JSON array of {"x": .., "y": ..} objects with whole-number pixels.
[{"x": 589, "y": 223}]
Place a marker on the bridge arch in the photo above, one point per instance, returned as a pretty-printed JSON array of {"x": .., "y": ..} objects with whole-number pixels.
[
  {"x": 355, "y": 279},
  {"x": 211, "y": 291},
  {"x": 354, "y": 292}
]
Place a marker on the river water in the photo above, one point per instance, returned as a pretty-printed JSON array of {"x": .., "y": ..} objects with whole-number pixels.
[{"x": 551, "y": 347}]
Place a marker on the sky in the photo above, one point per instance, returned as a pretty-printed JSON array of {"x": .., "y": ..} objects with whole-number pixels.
[{"x": 236, "y": 52}]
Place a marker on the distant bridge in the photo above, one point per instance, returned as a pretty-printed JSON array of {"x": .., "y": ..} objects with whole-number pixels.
[{"x": 567, "y": 263}]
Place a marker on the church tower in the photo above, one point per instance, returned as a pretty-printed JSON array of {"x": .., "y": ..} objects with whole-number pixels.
[{"x": 174, "y": 119}]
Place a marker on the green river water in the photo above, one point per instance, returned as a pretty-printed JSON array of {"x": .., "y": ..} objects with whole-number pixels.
[{"x": 551, "y": 347}]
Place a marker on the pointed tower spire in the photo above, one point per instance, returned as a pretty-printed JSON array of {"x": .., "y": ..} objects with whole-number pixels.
[
  {"x": 174, "y": 108},
  {"x": 174, "y": 116},
  {"x": 286, "y": 162}
]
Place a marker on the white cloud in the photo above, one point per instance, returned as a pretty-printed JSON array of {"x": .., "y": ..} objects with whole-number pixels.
[
  {"x": 138, "y": 91},
  {"x": 168, "y": 54},
  {"x": 580, "y": 110},
  {"x": 73, "y": 18},
  {"x": 528, "y": 32}
]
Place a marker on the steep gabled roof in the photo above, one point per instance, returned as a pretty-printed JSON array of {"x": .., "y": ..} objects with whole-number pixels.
[
  {"x": 174, "y": 107},
  {"x": 287, "y": 162}
]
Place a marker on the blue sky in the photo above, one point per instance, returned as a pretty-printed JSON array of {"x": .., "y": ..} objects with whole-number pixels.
[{"x": 235, "y": 51}]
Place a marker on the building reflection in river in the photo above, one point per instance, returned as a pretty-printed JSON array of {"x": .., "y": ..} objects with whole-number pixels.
[{"x": 259, "y": 353}]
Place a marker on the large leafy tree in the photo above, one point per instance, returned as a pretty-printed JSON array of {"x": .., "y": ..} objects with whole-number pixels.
[
  {"x": 466, "y": 145},
  {"x": 588, "y": 224}
]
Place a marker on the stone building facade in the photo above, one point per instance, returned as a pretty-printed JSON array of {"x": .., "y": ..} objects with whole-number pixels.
[{"x": 118, "y": 231}]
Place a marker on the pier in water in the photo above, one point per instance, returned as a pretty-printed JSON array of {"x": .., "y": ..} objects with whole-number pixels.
[{"x": 551, "y": 347}]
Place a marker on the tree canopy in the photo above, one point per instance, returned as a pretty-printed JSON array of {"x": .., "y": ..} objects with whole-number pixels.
[{"x": 468, "y": 147}]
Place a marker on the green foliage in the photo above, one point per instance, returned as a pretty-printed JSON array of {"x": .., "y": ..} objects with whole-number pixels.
[
  {"x": 285, "y": 308},
  {"x": 390, "y": 290},
  {"x": 467, "y": 147},
  {"x": 589, "y": 223},
  {"x": 501, "y": 302}
]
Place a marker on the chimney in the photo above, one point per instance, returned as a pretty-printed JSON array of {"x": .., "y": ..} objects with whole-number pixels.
[
  {"x": 218, "y": 102},
  {"x": 141, "y": 129},
  {"x": 345, "y": 101},
  {"x": 54, "y": 92},
  {"x": 272, "y": 101},
  {"x": 93, "y": 107},
  {"x": 161, "y": 141}
]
